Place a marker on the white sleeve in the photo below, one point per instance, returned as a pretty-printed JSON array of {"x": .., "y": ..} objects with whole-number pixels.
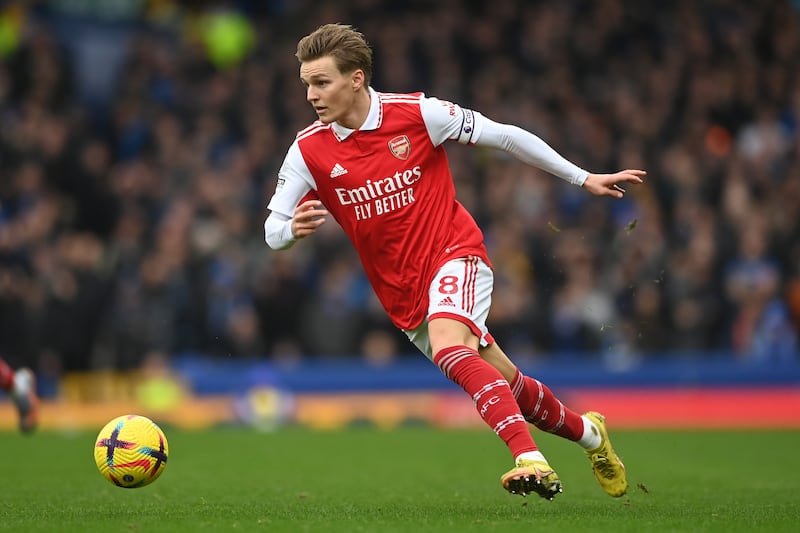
[
  {"x": 278, "y": 231},
  {"x": 294, "y": 181},
  {"x": 448, "y": 121},
  {"x": 528, "y": 148}
]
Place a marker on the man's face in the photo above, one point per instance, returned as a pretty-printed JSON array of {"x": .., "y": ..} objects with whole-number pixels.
[{"x": 330, "y": 92}]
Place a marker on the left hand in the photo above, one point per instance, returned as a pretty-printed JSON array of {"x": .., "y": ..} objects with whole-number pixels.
[{"x": 609, "y": 184}]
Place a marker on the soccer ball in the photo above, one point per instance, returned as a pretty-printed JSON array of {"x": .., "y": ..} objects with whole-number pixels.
[{"x": 131, "y": 451}]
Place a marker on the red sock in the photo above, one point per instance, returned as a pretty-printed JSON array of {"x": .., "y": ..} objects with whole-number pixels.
[
  {"x": 6, "y": 376},
  {"x": 490, "y": 393},
  {"x": 541, "y": 408}
]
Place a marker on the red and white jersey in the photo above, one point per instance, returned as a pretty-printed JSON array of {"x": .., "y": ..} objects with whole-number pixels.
[{"x": 388, "y": 184}]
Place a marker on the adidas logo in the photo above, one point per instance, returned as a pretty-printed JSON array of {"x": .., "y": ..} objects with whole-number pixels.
[
  {"x": 447, "y": 302},
  {"x": 338, "y": 170}
]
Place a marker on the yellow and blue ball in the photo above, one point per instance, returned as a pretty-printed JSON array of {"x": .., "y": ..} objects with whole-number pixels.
[{"x": 131, "y": 451}]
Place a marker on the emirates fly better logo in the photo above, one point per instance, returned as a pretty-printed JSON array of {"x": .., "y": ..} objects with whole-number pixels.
[
  {"x": 400, "y": 147},
  {"x": 381, "y": 196}
]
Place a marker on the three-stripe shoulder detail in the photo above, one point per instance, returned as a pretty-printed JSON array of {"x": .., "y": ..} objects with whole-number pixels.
[{"x": 397, "y": 98}]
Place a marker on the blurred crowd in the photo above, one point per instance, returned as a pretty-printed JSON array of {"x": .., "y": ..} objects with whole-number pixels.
[{"x": 140, "y": 141}]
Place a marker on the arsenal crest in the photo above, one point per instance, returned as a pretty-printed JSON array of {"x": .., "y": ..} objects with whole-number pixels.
[{"x": 400, "y": 147}]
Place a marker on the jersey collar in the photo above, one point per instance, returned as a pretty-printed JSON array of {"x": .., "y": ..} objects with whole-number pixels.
[{"x": 373, "y": 121}]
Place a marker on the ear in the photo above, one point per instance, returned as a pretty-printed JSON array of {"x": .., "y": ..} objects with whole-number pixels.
[{"x": 357, "y": 79}]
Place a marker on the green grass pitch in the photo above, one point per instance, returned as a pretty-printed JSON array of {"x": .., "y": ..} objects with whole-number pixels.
[{"x": 411, "y": 479}]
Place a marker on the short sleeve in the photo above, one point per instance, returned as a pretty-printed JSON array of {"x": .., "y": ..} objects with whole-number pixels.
[{"x": 448, "y": 121}]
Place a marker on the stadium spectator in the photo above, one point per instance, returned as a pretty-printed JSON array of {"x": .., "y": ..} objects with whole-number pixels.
[{"x": 706, "y": 96}]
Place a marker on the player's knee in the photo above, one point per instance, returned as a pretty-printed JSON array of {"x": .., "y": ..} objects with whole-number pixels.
[{"x": 446, "y": 332}]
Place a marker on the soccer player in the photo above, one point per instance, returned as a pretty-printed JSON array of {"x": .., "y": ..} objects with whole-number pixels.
[
  {"x": 375, "y": 163},
  {"x": 21, "y": 387}
]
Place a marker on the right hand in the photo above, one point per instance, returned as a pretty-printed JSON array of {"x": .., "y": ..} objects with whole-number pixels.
[{"x": 308, "y": 216}]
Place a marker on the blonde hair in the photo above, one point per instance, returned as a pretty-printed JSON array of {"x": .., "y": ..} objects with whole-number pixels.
[{"x": 347, "y": 47}]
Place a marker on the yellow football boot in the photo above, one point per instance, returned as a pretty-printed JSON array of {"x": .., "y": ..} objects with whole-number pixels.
[
  {"x": 532, "y": 477},
  {"x": 607, "y": 466}
]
